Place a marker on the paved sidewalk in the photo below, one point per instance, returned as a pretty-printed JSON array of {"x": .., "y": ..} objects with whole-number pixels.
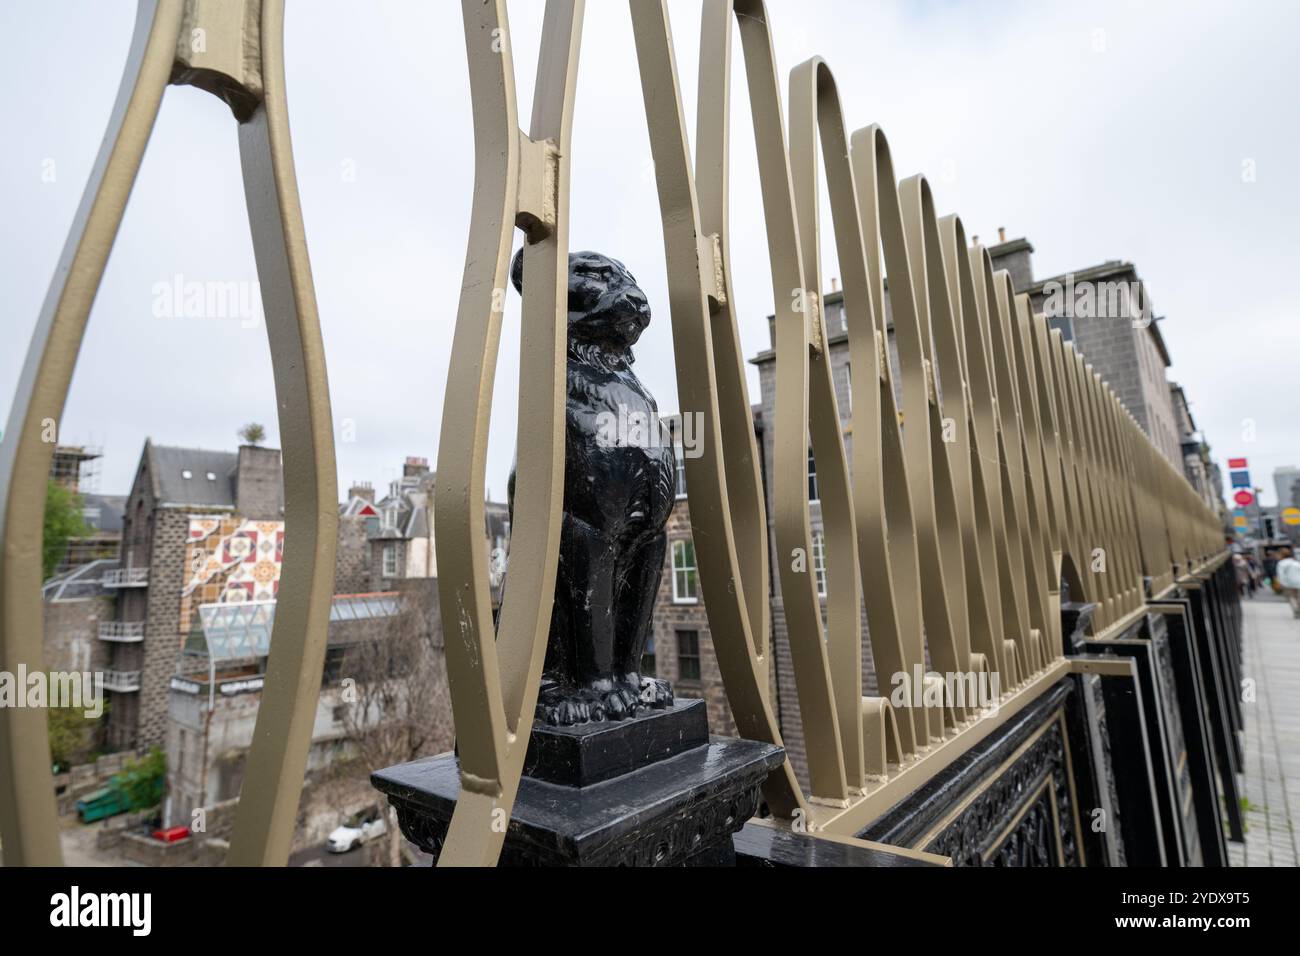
[{"x": 1271, "y": 646}]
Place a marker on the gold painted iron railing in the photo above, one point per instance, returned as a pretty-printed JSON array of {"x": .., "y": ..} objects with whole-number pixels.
[{"x": 1017, "y": 469}]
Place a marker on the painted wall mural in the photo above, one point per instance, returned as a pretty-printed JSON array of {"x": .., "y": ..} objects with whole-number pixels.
[{"x": 230, "y": 560}]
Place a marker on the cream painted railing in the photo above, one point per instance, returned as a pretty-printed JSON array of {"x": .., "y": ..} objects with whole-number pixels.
[{"x": 1018, "y": 467}]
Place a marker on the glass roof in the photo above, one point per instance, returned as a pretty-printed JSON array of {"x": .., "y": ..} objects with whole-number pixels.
[{"x": 237, "y": 631}]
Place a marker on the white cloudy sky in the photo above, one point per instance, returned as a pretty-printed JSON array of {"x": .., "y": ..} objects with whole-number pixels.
[{"x": 1112, "y": 130}]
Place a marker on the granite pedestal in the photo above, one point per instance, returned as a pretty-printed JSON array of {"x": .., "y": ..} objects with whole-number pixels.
[{"x": 654, "y": 790}]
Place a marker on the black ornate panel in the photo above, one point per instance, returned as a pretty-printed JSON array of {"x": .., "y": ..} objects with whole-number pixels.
[
  {"x": 1010, "y": 801},
  {"x": 1022, "y": 817}
]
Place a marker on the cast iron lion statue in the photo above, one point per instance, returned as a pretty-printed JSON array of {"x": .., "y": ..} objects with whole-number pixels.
[{"x": 617, "y": 496}]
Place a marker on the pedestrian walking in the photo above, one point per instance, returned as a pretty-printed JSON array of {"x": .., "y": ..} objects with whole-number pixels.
[
  {"x": 1242, "y": 570},
  {"x": 1288, "y": 574}
]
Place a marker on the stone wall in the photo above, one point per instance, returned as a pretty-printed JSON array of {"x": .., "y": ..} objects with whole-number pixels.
[
  {"x": 352, "y": 563},
  {"x": 163, "y": 638},
  {"x": 71, "y": 641},
  {"x": 259, "y": 483}
]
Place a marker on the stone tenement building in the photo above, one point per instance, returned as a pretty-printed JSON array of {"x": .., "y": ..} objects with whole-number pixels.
[
  {"x": 1200, "y": 468},
  {"x": 198, "y": 527},
  {"x": 398, "y": 529},
  {"x": 680, "y": 648},
  {"x": 1106, "y": 311},
  {"x": 172, "y": 486}
]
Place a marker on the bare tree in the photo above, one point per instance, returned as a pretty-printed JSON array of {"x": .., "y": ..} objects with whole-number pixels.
[{"x": 394, "y": 693}]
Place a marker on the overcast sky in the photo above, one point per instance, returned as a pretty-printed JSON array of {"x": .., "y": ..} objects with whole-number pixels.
[{"x": 1096, "y": 130}]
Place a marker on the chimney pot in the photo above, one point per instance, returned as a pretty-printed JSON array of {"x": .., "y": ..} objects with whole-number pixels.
[{"x": 1002, "y": 234}]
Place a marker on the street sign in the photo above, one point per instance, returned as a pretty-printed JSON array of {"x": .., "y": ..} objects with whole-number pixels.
[
  {"x": 1236, "y": 463},
  {"x": 1291, "y": 515},
  {"x": 1240, "y": 479},
  {"x": 1243, "y": 498},
  {"x": 1240, "y": 522}
]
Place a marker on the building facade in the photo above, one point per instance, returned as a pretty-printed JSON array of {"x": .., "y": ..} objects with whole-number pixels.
[{"x": 680, "y": 648}]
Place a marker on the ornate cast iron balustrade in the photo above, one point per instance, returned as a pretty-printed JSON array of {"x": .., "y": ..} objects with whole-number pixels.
[{"x": 1018, "y": 469}]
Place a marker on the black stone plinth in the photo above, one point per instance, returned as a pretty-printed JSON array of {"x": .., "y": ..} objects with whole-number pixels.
[
  {"x": 581, "y": 755},
  {"x": 678, "y": 807}
]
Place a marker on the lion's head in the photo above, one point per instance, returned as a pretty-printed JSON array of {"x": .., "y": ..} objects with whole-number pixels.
[{"x": 606, "y": 306}]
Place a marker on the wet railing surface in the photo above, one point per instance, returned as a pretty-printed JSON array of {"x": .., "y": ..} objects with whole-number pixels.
[{"x": 1017, "y": 468}]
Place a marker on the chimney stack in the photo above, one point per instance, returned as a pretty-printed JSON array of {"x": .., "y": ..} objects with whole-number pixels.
[
  {"x": 259, "y": 492},
  {"x": 362, "y": 489},
  {"x": 415, "y": 466}
]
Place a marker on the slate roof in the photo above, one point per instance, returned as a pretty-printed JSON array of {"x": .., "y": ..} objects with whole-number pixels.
[{"x": 211, "y": 482}]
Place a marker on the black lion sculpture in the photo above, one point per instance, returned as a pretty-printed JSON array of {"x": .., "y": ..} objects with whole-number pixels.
[{"x": 617, "y": 496}]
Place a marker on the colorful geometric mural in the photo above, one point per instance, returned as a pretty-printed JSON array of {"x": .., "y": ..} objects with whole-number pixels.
[{"x": 229, "y": 560}]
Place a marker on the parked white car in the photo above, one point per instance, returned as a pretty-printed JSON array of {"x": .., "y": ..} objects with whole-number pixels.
[{"x": 362, "y": 827}]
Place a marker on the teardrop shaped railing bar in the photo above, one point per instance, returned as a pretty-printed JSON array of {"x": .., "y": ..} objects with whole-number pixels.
[
  {"x": 1073, "y": 569},
  {"x": 1103, "y": 531},
  {"x": 1016, "y": 494},
  {"x": 1037, "y": 553},
  {"x": 464, "y": 590},
  {"x": 988, "y": 470},
  {"x": 1094, "y": 411},
  {"x": 1100, "y": 528},
  {"x": 1050, "y": 432},
  {"x": 794, "y": 554},
  {"x": 28, "y": 817},
  {"x": 728, "y": 518},
  {"x": 1107, "y": 608},
  {"x": 938, "y": 527},
  {"x": 494, "y": 674},
  {"x": 815, "y": 112},
  {"x": 972, "y": 434},
  {"x": 1002, "y": 504},
  {"x": 1046, "y": 470},
  {"x": 1126, "y": 532},
  {"x": 1084, "y": 536},
  {"x": 1127, "y": 582},
  {"x": 277, "y": 758},
  {"x": 747, "y": 506},
  {"x": 1045, "y": 587},
  {"x": 883, "y": 489}
]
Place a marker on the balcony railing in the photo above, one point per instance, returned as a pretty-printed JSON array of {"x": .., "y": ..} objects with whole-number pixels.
[
  {"x": 126, "y": 632},
  {"x": 122, "y": 681},
  {"x": 127, "y": 578}
]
